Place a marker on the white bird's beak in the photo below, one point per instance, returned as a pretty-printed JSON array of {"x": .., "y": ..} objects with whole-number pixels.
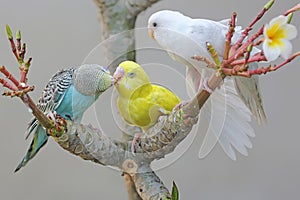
[{"x": 151, "y": 33}]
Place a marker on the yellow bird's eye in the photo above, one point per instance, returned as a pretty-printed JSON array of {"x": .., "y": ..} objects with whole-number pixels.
[
  {"x": 131, "y": 75},
  {"x": 154, "y": 24}
]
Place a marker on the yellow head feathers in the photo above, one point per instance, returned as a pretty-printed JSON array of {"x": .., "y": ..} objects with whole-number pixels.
[{"x": 129, "y": 77}]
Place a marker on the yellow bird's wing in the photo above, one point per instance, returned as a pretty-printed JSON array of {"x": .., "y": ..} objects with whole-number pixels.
[
  {"x": 135, "y": 110},
  {"x": 147, "y": 106},
  {"x": 164, "y": 97}
]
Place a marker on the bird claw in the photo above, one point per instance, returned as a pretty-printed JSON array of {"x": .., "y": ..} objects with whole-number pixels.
[
  {"x": 51, "y": 115},
  {"x": 93, "y": 128},
  {"x": 206, "y": 87},
  {"x": 180, "y": 105}
]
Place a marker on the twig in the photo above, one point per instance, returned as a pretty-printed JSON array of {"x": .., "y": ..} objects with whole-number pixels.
[
  {"x": 250, "y": 26},
  {"x": 256, "y": 58},
  {"x": 229, "y": 36},
  {"x": 292, "y": 57},
  {"x": 240, "y": 71},
  {"x": 11, "y": 41},
  {"x": 206, "y": 60},
  {"x": 294, "y": 9},
  {"x": 18, "y": 93},
  {"x": 38, "y": 114},
  {"x": 8, "y": 75},
  {"x": 24, "y": 70},
  {"x": 7, "y": 84},
  {"x": 243, "y": 47}
]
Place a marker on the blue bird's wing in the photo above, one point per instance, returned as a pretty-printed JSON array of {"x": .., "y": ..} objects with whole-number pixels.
[
  {"x": 52, "y": 95},
  {"x": 51, "y": 98}
]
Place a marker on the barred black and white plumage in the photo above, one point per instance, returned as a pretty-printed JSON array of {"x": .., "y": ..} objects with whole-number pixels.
[{"x": 52, "y": 95}]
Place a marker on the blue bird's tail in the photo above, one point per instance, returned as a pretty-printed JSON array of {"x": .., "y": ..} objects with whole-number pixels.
[{"x": 39, "y": 140}]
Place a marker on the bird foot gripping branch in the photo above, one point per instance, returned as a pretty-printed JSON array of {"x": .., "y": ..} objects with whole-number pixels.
[{"x": 59, "y": 127}]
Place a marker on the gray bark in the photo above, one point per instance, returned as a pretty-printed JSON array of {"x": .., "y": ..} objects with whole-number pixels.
[{"x": 118, "y": 17}]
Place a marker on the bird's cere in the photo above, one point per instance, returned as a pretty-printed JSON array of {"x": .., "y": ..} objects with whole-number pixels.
[
  {"x": 106, "y": 69},
  {"x": 277, "y": 36}
]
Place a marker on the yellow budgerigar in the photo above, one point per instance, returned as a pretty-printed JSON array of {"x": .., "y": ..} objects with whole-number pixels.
[{"x": 141, "y": 103}]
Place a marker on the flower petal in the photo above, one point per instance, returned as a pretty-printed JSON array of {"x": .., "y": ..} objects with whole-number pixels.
[
  {"x": 274, "y": 29},
  {"x": 266, "y": 28},
  {"x": 286, "y": 49},
  {"x": 291, "y": 31},
  {"x": 271, "y": 53},
  {"x": 279, "y": 21}
]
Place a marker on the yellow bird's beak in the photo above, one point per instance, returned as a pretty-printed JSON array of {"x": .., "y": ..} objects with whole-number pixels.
[
  {"x": 118, "y": 75},
  {"x": 151, "y": 33}
]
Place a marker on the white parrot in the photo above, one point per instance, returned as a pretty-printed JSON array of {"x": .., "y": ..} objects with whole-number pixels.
[{"x": 231, "y": 105}]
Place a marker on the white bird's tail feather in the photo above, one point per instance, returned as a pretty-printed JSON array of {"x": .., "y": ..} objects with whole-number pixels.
[{"x": 229, "y": 122}]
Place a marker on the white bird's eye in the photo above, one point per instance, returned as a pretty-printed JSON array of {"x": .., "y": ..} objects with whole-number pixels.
[
  {"x": 154, "y": 24},
  {"x": 131, "y": 75}
]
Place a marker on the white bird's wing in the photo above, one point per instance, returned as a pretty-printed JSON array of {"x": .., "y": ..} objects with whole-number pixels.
[
  {"x": 229, "y": 122},
  {"x": 249, "y": 91}
]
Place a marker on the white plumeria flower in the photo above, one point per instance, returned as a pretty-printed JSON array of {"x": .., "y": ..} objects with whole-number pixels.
[{"x": 277, "y": 35}]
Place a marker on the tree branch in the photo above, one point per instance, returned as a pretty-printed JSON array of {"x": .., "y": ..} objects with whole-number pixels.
[
  {"x": 118, "y": 17},
  {"x": 131, "y": 189},
  {"x": 92, "y": 144},
  {"x": 148, "y": 184}
]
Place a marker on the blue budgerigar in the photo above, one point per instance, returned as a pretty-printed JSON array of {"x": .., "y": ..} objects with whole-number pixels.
[{"x": 69, "y": 93}]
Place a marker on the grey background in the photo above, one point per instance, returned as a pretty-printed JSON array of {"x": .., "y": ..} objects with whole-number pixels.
[{"x": 61, "y": 33}]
